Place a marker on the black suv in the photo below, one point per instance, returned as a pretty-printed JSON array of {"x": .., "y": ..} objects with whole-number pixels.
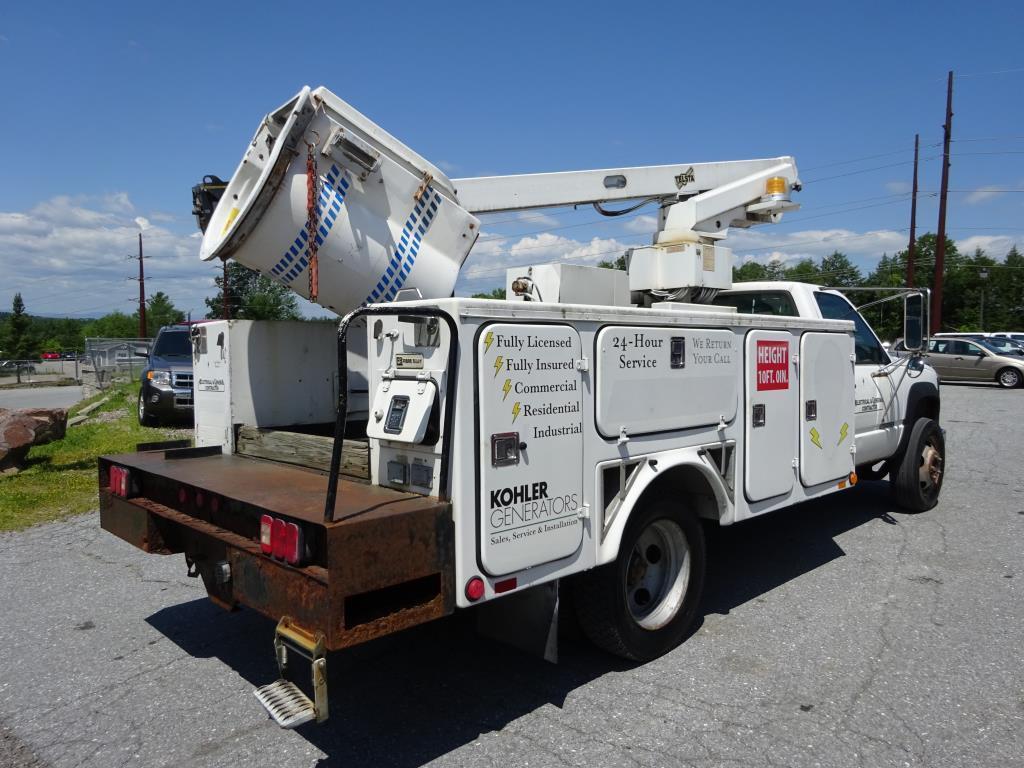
[{"x": 166, "y": 391}]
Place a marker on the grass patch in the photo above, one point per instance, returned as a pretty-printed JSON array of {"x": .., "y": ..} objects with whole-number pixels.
[{"x": 60, "y": 479}]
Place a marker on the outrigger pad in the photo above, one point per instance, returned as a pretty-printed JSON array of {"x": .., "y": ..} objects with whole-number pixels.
[{"x": 286, "y": 703}]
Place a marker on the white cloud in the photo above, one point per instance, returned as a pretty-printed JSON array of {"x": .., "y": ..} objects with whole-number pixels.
[
  {"x": 995, "y": 246},
  {"x": 143, "y": 222},
  {"x": 899, "y": 187},
  {"x": 70, "y": 255},
  {"x": 535, "y": 219},
  {"x": 644, "y": 224},
  {"x": 983, "y": 194}
]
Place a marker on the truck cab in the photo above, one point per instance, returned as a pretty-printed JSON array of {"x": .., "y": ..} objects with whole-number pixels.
[{"x": 888, "y": 399}]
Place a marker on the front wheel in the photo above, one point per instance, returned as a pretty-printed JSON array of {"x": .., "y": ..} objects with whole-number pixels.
[
  {"x": 145, "y": 419},
  {"x": 918, "y": 479},
  {"x": 644, "y": 604},
  {"x": 1009, "y": 378}
]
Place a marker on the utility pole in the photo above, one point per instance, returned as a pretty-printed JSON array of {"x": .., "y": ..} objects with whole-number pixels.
[
  {"x": 913, "y": 219},
  {"x": 142, "y": 294},
  {"x": 940, "y": 246}
]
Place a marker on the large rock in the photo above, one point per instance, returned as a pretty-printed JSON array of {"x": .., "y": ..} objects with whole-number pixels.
[{"x": 21, "y": 429}]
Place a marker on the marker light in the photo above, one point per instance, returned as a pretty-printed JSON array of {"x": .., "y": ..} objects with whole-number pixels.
[
  {"x": 474, "y": 589},
  {"x": 506, "y": 585},
  {"x": 777, "y": 185},
  {"x": 853, "y": 478}
]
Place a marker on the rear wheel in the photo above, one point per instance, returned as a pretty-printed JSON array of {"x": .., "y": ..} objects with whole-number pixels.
[
  {"x": 1009, "y": 378},
  {"x": 918, "y": 479},
  {"x": 644, "y": 604}
]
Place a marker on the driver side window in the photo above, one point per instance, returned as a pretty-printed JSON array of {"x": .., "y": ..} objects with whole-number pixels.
[{"x": 834, "y": 307}]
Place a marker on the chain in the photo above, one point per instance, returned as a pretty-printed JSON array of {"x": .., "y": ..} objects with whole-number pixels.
[{"x": 312, "y": 218}]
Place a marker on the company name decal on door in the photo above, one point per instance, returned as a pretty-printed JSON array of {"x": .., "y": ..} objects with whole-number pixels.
[{"x": 772, "y": 365}]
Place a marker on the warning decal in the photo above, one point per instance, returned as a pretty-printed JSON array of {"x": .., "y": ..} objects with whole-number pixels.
[{"x": 772, "y": 365}]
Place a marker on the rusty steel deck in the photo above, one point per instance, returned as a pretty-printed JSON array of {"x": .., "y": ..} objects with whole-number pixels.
[{"x": 385, "y": 562}]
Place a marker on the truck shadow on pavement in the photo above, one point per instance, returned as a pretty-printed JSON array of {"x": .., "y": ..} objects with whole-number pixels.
[{"x": 413, "y": 697}]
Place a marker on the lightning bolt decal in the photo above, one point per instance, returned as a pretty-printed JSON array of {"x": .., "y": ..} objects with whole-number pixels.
[
  {"x": 506, "y": 388},
  {"x": 488, "y": 340},
  {"x": 497, "y": 365},
  {"x": 515, "y": 412},
  {"x": 815, "y": 437},
  {"x": 843, "y": 430}
]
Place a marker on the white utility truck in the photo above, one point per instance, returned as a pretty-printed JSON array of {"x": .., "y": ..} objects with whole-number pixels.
[{"x": 442, "y": 453}]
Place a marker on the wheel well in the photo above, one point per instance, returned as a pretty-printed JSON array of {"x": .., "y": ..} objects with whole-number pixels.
[
  {"x": 686, "y": 481},
  {"x": 928, "y": 408}
]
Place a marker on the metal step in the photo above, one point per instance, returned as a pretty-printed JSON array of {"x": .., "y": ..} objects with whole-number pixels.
[{"x": 286, "y": 703}]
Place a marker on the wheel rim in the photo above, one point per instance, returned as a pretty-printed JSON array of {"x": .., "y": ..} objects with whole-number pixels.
[
  {"x": 1009, "y": 378},
  {"x": 658, "y": 574},
  {"x": 929, "y": 473}
]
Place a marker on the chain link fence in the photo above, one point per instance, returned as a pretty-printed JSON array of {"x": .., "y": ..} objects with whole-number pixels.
[{"x": 113, "y": 360}]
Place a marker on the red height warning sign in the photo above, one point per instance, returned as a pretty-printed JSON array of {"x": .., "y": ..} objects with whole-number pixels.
[{"x": 772, "y": 365}]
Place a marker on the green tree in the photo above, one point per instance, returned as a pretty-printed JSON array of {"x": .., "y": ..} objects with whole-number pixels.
[
  {"x": 116, "y": 325},
  {"x": 160, "y": 311},
  {"x": 804, "y": 271},
  {"x": 619, "y": 263},
  {"x": 838, "y": 270},
  {"x": 19, "y": 341},
  {"x": 497, "y": 293},
  {"x": 252, "y": 296}
]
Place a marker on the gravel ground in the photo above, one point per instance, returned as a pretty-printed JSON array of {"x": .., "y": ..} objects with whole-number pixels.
[{"x": 839, "y": 633}]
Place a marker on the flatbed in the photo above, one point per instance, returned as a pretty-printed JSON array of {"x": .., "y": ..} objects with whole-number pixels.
[{"x": 353, "y": 588}]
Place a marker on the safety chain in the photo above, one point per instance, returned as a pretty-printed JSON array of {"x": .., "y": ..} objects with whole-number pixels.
[{"x": 312, "y": 218}]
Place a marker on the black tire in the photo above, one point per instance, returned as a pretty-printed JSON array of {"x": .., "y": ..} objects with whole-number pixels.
[
  {"x": 145, "y": 418},
  {"x": 610, "y": 600},
  {"x": 918, "y": 479},
  {"x": 1009, "y": 378}
]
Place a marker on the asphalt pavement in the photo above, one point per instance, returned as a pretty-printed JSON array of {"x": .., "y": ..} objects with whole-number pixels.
[
  {"x": 839, "y": 633},
  {"x": 40, "y": 397}
]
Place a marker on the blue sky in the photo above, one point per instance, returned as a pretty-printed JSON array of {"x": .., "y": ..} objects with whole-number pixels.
[{"x": 111, "y": 115}]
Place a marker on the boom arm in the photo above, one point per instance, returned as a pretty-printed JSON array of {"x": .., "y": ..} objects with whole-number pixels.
[{"x": 710, "y": 197}]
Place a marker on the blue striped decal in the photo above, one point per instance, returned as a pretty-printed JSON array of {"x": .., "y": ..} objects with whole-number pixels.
[
  {"x": 408, "y": 247},
  {"x": 333, "y": 188}
]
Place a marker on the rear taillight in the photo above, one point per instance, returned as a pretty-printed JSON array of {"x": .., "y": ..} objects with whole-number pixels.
[
  {"x": 281, "y": 539},
  {"x": 120, "y": 481},
  {"x": 266, "y": 523}
]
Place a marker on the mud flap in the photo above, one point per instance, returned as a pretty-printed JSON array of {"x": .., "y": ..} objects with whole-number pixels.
[{"x": 526, "y": 620}]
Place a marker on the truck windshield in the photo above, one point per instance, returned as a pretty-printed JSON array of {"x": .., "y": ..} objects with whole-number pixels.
[
  {"x": 174, "y": 344},
  {"x": 835, "y": 307}
]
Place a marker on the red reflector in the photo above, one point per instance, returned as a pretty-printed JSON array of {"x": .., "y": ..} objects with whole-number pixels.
[
  {"x": 182, "y": 494},
  {"x": 119, "y": 482},
  {"x": 475, "y": 588},
  {"x": 214, "y": 503},
  {"x": 266, "y": 522},
  {"x": 505, "y": 585},
  {"x": 199, "y": 498},
  {"x": 292, "y": 543},
  {"x": 277, "y": 538}
]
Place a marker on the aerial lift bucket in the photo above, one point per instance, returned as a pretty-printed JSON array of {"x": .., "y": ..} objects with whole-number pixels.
[{"x": 386, "y": 223}]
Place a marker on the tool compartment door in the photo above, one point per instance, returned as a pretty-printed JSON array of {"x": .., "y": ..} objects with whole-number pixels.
[
  {"x": 826, "y": 407},
  {"x": 770, "y": 418},
  {"x": 529, "y": 445}
]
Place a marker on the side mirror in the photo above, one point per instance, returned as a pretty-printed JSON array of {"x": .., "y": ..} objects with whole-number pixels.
[
  {"x": 914, "y": 317},
  {"x": 141, "y": 352}
]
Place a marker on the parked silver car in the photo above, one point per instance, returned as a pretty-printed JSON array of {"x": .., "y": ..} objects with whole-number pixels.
[{"x": 974, "y": 360}]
